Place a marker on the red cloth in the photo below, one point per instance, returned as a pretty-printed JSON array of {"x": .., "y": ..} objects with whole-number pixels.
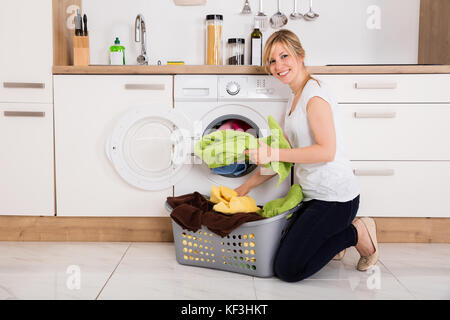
[{"x": 192, "y": 210}]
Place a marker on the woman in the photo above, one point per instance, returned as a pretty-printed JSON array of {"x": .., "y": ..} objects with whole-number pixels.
[{"x": 325, "y": 225}]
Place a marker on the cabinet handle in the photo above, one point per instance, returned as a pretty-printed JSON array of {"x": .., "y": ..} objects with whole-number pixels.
[
  {"x": 139, "y": 86},
  {"x": 23, "y": 85},
  {"x": 374, "y": 172},
  {"x": 375, "y": 85},
  {"x": 34, "y": 114},
  {"x": 375, "y": 115}
]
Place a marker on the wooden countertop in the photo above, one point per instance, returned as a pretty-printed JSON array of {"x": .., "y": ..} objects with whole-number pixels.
[{"x": 205, "y": 69}]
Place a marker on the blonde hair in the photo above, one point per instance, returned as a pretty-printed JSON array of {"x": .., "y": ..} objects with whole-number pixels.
[{"x": 291, "y": 43}]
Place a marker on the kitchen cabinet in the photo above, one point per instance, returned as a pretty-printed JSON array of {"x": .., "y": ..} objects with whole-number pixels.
[
  {"x": 26, "y": 110},
  {"x": 26, "y": 164},
  {"x": 405, "y": 131},
  {"x": 26, "y": 57},
  {"x": 88, "y": 109},
  {"x": 396, "y": 133}
]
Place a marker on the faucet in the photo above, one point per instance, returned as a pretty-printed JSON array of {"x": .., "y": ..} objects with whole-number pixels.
[{"x": 140, "y": 36}]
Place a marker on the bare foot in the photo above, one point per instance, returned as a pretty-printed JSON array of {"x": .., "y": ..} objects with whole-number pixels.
[{"x": 364, "y": 246}]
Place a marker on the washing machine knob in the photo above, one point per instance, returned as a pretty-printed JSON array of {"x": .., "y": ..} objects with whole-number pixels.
[{"x": 233, "y": 88}]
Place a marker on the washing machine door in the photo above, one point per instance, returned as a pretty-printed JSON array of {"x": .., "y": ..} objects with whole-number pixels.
[
  {"x": 248, "y": 114},
  {"x": 150, "y": 148}
]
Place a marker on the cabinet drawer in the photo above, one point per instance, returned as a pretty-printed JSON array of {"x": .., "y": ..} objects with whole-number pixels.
[
  {"x": 396, "y": 132},
  {"x": 26, "y": 164},
  {"x": 389, "y": 88},
  {"x": 129, "y": 90},
  {"x": 403, "y": 188},
  {"x": 26, "y": 90}
]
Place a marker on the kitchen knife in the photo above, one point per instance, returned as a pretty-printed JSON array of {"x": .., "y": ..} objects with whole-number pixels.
[
  {"x": 85, "y": 25},
  {"x": 78, "y": 26}
]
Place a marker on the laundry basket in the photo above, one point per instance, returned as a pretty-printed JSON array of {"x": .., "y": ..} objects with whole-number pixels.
[{"x": 249, "y": 249}]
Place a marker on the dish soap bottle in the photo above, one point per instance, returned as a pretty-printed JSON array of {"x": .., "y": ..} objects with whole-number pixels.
[
  {"x": 117, "y": 53},
  {"x": 256, "y": 46}
]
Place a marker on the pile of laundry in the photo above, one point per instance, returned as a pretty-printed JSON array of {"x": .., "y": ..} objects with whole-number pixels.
[
  {"x": 223, "y": 150},
  {"x": 224, "y": 211}
]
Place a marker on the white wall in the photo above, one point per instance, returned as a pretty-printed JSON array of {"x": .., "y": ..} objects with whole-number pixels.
[{"x": 338, "y": 36}]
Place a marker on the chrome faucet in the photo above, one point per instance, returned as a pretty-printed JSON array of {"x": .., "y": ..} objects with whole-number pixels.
[{"x": 140, "y": 36}]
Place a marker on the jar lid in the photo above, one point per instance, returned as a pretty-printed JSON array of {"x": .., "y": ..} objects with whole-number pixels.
[
  {"x": 214, "y": 17},
  {"x": 236, "y": 40}
]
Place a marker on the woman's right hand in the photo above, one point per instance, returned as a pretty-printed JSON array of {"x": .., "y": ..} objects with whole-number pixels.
[{"x": 242, "y": 190}]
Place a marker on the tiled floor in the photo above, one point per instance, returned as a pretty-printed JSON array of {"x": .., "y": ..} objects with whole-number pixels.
[{"x": 58, "y": 270}]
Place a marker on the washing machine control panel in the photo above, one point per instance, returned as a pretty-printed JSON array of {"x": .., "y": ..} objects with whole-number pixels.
[
  {"x": 233, "y": 88},
  {"x": 251, "y": 87}
]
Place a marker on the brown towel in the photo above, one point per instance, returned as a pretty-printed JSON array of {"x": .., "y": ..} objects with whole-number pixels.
[{"x": 192, "y": 210}]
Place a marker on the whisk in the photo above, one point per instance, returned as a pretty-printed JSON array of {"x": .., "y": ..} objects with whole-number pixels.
[{"x": 262, "y": 18}]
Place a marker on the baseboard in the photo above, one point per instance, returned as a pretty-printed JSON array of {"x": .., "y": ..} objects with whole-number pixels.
[{"x": 159, "y": 229}]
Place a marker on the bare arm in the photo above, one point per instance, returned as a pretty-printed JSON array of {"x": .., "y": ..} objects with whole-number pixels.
[
  {"x": 321, "y": 122},
  {"x": 254, "y": 181},
  {"x": 320, "y": 119}
]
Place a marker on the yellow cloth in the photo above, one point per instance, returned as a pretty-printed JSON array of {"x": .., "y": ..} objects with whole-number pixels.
[{"x": 227, "y": 201}]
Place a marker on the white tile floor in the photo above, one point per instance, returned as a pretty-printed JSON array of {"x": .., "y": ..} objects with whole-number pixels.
[{"x": 58, "y": 270}]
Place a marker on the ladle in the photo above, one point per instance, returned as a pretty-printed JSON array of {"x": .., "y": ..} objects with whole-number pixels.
[
  {"x": 295, "y": 15},
  {"x": 310, "y": 15},
  {"x": 278, "y": 20}
]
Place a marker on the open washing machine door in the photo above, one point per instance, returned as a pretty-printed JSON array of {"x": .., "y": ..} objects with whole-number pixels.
[{"x": 150, "y": 148}]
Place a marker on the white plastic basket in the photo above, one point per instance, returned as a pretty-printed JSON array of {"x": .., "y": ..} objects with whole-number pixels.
[{"x": 249, "y": 249}]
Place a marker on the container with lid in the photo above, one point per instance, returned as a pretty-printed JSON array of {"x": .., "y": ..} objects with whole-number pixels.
[
  {"x": 236, "y": 51},
  {"x": 117, "y": 53},
  {"x": 214, "y": 39}
]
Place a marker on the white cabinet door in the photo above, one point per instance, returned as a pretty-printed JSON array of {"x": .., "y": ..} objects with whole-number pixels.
[
  {"x": 396, "y": 131},
  {"x": 403, "y": 188},
  {"x": 87, "y": 111},
  {"x": 389, "y": 88},
  {"x": 26, "y": 56},
  {"x": 26, "y": 162}
]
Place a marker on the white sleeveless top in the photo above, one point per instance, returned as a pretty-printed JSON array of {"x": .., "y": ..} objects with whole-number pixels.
[{"x": 327, "y": 181}]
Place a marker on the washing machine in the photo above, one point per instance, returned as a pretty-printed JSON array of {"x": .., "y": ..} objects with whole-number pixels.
[
  {"x": 209, "y": 101},
  {"x": 125, "y": 143}
]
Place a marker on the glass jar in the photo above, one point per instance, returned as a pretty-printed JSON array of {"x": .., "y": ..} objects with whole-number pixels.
[
  {"x": 214, "y": 24},
  {"x": 236, "y": 50}
]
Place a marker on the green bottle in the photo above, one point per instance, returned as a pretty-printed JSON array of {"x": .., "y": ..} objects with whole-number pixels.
[
  {"x": 117, "y": 53},
  {"x": 256, "y": 46}
]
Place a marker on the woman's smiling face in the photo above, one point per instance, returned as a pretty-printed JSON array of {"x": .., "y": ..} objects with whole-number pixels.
[{"x": 284, "y": 65}]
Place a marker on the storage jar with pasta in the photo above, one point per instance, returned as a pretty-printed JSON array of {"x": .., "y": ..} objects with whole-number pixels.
[{"x": 214, "y": 39}]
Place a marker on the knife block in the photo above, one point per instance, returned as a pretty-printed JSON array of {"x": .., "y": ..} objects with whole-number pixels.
[{"x": 80, "y": 50}]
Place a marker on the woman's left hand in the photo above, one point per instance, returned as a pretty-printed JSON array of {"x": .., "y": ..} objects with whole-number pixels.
[{"x": 264, "y": 154}]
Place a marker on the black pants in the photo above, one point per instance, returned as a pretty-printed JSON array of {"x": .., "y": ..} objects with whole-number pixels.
[{"x": 321, "y": 229}]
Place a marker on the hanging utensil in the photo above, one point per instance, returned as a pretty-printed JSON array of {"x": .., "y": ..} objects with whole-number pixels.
[
  {"x": 295, "y": 15},
  {"x": 246, "y": 9},
  {"x": 262, "y": 18},
  {"x": 278, "y": 20},
  {"x": 310, "y": 15}
]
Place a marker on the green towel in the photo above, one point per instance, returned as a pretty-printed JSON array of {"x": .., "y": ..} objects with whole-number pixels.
[
  {"x": 225, "y": 147},
  {"x": 278, "y": 141},
  {"x": 280, "y": 205}
]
